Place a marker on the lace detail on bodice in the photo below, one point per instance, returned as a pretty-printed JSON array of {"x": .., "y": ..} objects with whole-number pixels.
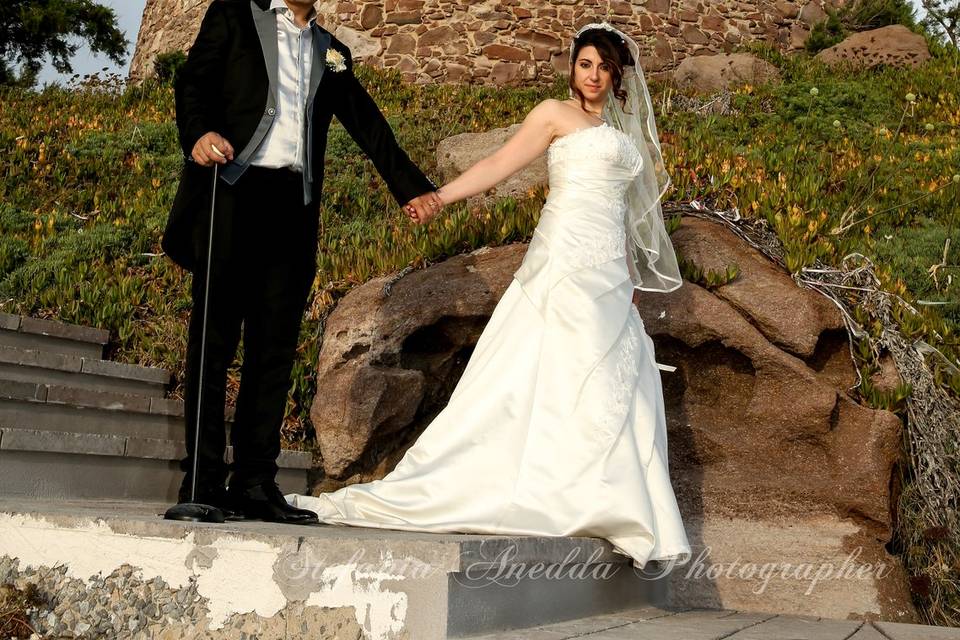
[
  {"x": 600, "y": 142},
  {"x": 590, "y": 172},
  {"x": 597, "y": 249}
]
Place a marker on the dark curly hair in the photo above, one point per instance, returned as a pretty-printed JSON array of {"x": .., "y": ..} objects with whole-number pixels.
[{"x": 612, "y": 50}]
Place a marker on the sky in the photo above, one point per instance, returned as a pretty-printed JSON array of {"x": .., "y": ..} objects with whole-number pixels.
[{"x": 129, "y": 12}]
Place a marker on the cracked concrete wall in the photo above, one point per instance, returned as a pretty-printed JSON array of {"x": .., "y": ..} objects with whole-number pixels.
[{"x": 239, "y": 581}]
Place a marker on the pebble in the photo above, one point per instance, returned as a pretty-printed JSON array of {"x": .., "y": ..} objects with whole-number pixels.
[{"x": 117, "y": 605}]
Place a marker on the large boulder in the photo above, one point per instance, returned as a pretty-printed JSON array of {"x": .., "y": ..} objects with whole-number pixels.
[
  {"x": 894, "y": 45},
  {"x": 458, "y": 153},
  {"x": 712, "y": 73},
  {"x": 772, "y": 460},
  {"x": 389, "y": 362}
]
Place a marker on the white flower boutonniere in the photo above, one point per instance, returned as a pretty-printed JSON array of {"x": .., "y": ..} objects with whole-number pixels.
[{"x": 335, "y": 60}]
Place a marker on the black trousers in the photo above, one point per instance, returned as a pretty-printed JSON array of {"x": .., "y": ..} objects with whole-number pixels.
[{"x": 263, "y": 267}]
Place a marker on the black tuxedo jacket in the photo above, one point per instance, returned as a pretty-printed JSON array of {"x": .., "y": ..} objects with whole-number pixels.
[{"x": 228, "y": 86}]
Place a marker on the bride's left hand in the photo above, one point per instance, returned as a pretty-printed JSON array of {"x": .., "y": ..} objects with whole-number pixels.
[{"x": 423, "y": 208}]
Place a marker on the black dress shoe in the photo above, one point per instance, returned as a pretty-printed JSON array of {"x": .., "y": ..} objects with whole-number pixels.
[
  {"x": 265, "y": 501},
  {"x": 215, "y": 497}
]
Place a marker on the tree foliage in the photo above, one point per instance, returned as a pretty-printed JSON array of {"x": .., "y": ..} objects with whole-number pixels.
[
  {"x": 943, "y": 19},
  {"x": 31, "y": 31}
]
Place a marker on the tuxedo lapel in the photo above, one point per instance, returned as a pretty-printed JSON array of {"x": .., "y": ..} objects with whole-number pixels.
[
  {"x": 321, "y": 43},
  {"x": 266, "y": 22}
]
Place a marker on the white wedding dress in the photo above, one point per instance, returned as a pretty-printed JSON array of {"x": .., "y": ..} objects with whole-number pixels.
[{"x": 557, "y": 426}]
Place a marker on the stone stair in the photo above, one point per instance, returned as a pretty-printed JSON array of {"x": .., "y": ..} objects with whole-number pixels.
[
  {"x": 81, "y": 372},
  {"x": 73, "y": 425}
]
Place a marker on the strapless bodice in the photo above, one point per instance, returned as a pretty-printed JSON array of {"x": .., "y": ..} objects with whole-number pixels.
[
  {"x": 596, "y": 162},
  {"x": 582, "y": 221}
]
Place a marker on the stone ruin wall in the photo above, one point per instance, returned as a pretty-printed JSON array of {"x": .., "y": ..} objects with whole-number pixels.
[{"x": 511, "y": 42}]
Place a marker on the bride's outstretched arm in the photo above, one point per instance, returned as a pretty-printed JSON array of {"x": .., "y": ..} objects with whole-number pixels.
[{"x": 530, "y": 140}]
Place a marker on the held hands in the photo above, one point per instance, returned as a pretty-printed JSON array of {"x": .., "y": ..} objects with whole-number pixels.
[
  {"x": 211, "y": 148},
  {"x": 422, "y": 208}
]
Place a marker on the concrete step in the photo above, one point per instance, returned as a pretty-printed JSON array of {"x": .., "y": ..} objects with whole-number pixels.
[
  {"x": 52, "y": 407},
  {"x": 30, "y": 365},
  {"x": 53, "y": 464},
  {"x": 263, "y": 580},
  {"x": 52, "y": 336},
  {"x": 717, "y": 624}
]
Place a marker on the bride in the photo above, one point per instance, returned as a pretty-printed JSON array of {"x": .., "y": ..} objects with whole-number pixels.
[{"x": 557, "y": 426}]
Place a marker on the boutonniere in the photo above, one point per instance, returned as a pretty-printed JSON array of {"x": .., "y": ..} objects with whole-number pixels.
[{"x": 335, "y": 60}]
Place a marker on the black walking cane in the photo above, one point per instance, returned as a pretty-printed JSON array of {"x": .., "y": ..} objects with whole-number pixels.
[{"x": 194, "y": 511}]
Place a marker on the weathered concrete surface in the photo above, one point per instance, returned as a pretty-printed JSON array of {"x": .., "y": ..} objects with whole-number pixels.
[
  {"x": 322, "y": 581},
  {"x": 711, "y": 624},
  {"x": 249, "y": 570}
]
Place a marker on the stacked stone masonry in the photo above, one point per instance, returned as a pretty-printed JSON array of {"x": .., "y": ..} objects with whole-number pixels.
[{"x": 511, "y": 42}]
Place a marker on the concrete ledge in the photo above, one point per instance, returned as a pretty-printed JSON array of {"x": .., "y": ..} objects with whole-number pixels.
[
  {"x": 28, "y": 391},
  {"x": 155, "y": 448},
  {"x": 89, "y": 444},
  {"x": 63, "y": 330},
  {"x": 152, "y": 375},
  {"x": 48, "y": 475},
  {"x": 172, "y": 407},
  {"x": 98, "y": 444},
  {"x": 97, "y": 399},
  {"x": 90, "y": 399},
  {"x": 30, "y": 413},
  {"x": 49, "y": 367},
  {"x": 662, "y": 624},
  {"x": 51, "y": 336},
  {"x": 27, "y": 413},
  {"x": 40, "y": 359},
  {"x": 166, "y": 407},
  {"x": 9, "y": 322},
  {"x": 256, "y": 579}
]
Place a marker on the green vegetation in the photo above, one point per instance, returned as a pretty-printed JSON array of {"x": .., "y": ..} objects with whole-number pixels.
[
  {"x": 166, "y": 66},
  {"x": 834, "y": 162}
]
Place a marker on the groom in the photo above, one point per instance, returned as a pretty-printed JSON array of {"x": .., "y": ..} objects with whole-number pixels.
[{"x": 256, "y": 97}]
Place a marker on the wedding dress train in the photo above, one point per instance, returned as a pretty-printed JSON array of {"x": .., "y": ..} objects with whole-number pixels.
[{"x": 557, "y": 425}]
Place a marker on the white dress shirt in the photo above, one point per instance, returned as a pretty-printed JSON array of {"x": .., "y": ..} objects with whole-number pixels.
[{"x": 283, "y": 145}]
